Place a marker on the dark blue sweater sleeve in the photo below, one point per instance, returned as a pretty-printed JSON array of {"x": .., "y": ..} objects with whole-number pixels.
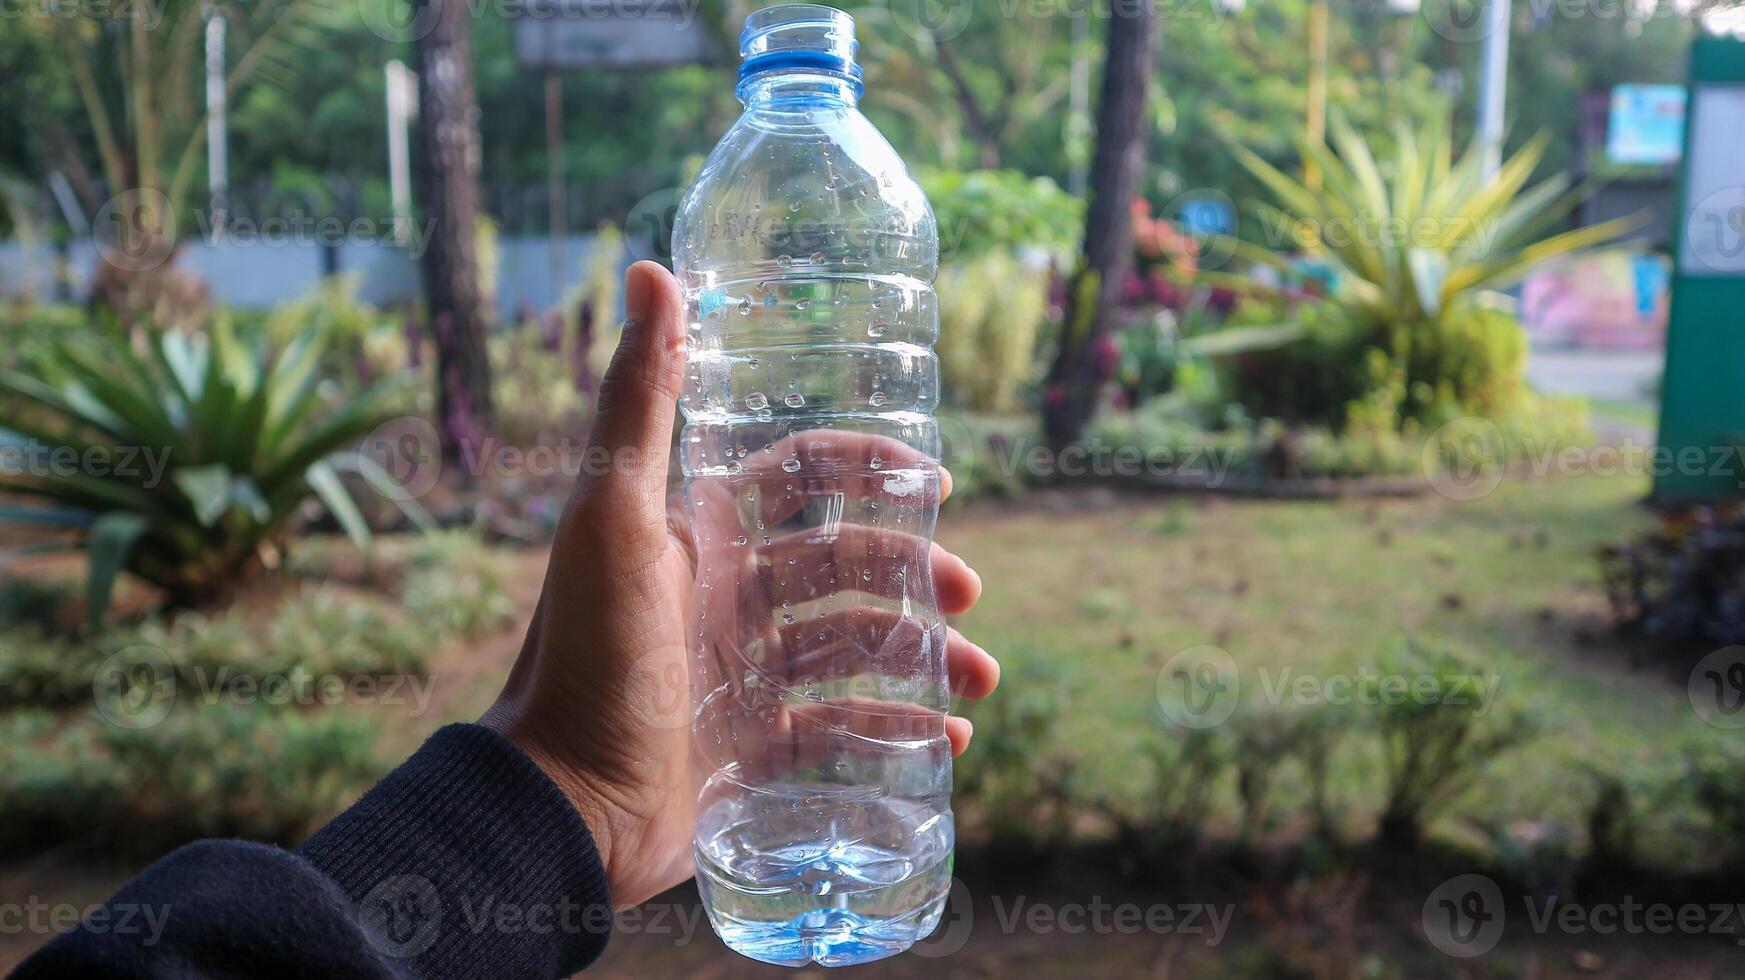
[{"x": 464, "y": 862}]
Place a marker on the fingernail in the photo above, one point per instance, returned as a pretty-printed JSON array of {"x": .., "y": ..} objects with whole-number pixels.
[{"x": 638, "y": 294}]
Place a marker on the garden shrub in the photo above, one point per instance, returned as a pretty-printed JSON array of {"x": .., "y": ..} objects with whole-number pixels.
[
  {"x": 985, "y": 454},
  {"x": 546, "y": 366},
  {"x": 37, "y": 669},
  {"x": 992, "y": 308},
  {"x": 318, "y": 630},
  {"x": 980, "y": 211},
  {"x": 359, "y": 343},
  {"x": 1310, "y": 380},
  {"x": 1187, "y": 768},
  {"x": 1263, "y": 743},
  {"x": 1347, "y": 370},
  {"x": 1268, "y": 743},
  {"x": 1434, "y": 740},
  {"x": 455, "y": 585},
  {"x": 1684, "y": 580},
  {"x": 1268, "y": 448},
  {"x": 244, "y": 438},
  {"x": 328, "y": 632},
  {"x": 51, "y": 786},
  {"x": 466, "y": 602},
  {"x": 1713, "y": 776},
  {"x": 1613, "y": 827},
  {"x": 33, "y": 329},
  {"x": 1248, "y": 451},
  {"x": 1417, "y": 245},
  {"x": 1016, "y": 788},
  {"x": 216, "y": 771},
  {"x": 998, "y": 231}
]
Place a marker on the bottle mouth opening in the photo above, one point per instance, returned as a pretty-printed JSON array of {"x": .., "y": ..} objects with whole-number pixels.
[{"x": 799, "y": 37}]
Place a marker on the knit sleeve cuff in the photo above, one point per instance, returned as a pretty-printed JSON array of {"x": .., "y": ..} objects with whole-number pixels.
[{"x": 467, "y": 861}]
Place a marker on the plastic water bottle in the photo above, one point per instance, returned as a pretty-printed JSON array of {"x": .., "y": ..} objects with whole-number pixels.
[{"x": 807, "y": 253}]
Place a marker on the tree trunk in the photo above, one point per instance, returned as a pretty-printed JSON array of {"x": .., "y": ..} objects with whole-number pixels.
[
  {"x": 1085, "y": 358},
  {"x": 445, "y": 184}
]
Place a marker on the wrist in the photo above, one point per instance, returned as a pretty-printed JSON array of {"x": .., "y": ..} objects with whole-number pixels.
[{"x": 594, "y": 809}]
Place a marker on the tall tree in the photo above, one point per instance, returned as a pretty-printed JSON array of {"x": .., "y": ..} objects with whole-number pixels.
[
  {"x": 1083, "y": 360},
  {"x": 445, "y": 183}
]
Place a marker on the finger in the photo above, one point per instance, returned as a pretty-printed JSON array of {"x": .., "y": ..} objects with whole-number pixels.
[
  {"x": 957, "y": 585},
  {"x": 641, "y": 387},
  {"x": 811, "y": 564},
  {"x": 870, "y": 640},
  {"x": 972, "y": 671},
  {"x": 818, "y": 463},
  {"x": 958, "y": 731}
]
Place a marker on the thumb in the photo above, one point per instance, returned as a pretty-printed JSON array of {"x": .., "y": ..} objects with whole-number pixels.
[{"x": 634, "y": 423}]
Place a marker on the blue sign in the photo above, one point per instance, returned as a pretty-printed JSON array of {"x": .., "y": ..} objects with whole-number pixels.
[
  {"x": 1206, "y": 214},
  {"x": 1646, "y": 125}
]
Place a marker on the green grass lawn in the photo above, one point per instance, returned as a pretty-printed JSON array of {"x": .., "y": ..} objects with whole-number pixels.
[
  {"x": 1098, "y": 595},
  {"x": 1642, "y": 415}
]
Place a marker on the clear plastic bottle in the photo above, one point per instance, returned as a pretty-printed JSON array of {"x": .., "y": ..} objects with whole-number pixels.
[{"x": 807, "y": 255}]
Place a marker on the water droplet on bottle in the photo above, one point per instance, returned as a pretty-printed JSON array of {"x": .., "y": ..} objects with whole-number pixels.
[
  {"x": 877, "y": 461},
  {"x": 802, "y": 303},
  {"x": 791, "y": 466},
  {"x": 876, "y": 329},
  {"x": 876, "y": 399},
  {"x": 817, "y": 258},
  {"x": 756, "y": 401},
  {"x": 745, "y": 306},
  {"x": 740, "y": 540},
  {"x": 866, "y": 575},
  {"x": 794, "y": 206},
  {"x": 794, "y": 400},
  {"x": 785, "y": 260}
]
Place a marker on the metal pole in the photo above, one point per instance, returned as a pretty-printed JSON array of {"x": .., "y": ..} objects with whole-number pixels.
[
  {"x": 217, "y": 165},
  {"x": 1493, "y": 85},
  {"x": 402, "y": 95}
]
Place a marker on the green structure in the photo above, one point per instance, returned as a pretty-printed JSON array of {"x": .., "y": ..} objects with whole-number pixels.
[{"x": 1702, "y": 402}]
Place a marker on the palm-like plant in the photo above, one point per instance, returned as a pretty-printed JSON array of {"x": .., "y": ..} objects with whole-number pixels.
[
  {"x": 191, "y": 461},
  {"x": 1415, "y": 245},
  {"x": 1413, "y": 238}
]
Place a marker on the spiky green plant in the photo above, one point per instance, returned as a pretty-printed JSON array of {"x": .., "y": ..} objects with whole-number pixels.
[
  {"x": 1416, "y": 244},
  {"x": 185, "y": 466},
  {"x": 1413, "y": 236}
]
